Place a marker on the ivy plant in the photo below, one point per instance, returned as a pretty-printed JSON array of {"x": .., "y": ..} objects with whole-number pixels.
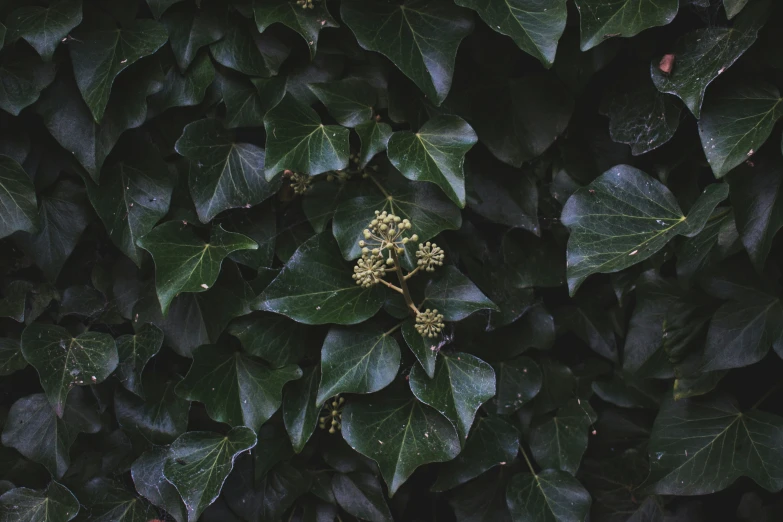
[{"x": 391, "y": 260}]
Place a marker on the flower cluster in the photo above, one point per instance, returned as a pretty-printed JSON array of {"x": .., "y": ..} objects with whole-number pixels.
[
  {"x": 306, "y": 4},
  {"x": 430, "y": 256},
  {"x": 385, "y": 236},
  {"x": 334, "y": 415},
  {"x": 429, "y": 323},
  {"x": 300, "y": 182}
]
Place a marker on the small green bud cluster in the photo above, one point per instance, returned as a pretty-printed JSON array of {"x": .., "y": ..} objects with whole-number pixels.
[
  {"x": 306, "y": 4},
  {"x": 386, "y": 232},
  {"x": 429, "y": 323},
  {"x": 367, "y": 271},
  {"x": 300, "y": 183},
  {"x": 430, "y": 256},
  {"x": 334, "y": 415},
  {"x": 339, "y": 175}
]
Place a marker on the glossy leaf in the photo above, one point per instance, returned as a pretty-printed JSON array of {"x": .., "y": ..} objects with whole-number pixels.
[
  {"x": 602, "y": 19},
  {"x": 518, "y": 382},
  {"x": 54, "y": 504},
  {"x": 296, "y": 140},
  {"x": 226, "y": 174},
  {"x": 357, "y": 360},
  {"x": 301, "y": 409},
  {"x": 307, "y": 22},
  {"x": 316, "y": 287},
  {"x": 199, "y": 462},
  {"x": 701, "y": 446},
  {"x": 184, "y": 89},
  {"x": 361, "y": 495},
  {"x": 421, "y": 38},
  {"x": 248, "y": 52},
  {"x": 22, "y": 78},
  {"x": 183, "y": 262},
  {"x": 399, "y": 433},
  {"x": 11, "y": 358},
  {"x": 425, "y": 349},
  {"x": 63, "y": 362},
  {"x": 134, "y": 352},
  {"x": 110, "y": 501},
  {"x": 274, "y": 338},
  {"x": 349, "y": 101},
  {"x": 158, "y": 7},
  {"x": 18, "y": 208},
  {"x": 560, "y": 441},
  {"x": 623, "y": 218},
  {"x": 436, "y": 154},
  {"x": 551, "y": 495},
  {"x": 247, "y": 101},
  {"x": 42, "y": 27},
  {"x": 461, "y": 384},
  {"x": 191, "y": 30},
  {"x": 235, "y": 388},
  {"x": 374, "y": 137},
  {"x": 454, "y": 295},
  {"x": 160, "y": 418},
  {"x": 147, "y": 474}
]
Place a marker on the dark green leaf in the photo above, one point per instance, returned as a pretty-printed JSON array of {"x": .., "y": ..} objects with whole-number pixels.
[
  {"x": 551, "y": 495},
  {"x": 593, "y": 327},
  {"x": 247, "y": 101},
  {"x": 11, "y": 358},
  {"x": 557, "y": 386},
  {"x": 35, "y": 431},
  {"x": 17, "y": 199},
  {"x": 718, "y": 240},
  {"x": 134, "y": 352},
  {"x": 244, "y": 50},
  {"x": 733, "y": 7},
  {"x": 350, "y": 101},
  {"x": 399, "y": 433},
  {"x": 55, "y": 504},
  {"x": 704, "y": 54},
  {"x": 190, "y": 30},
  {"x": 266, "y": 498},
  {"x": 300, "y": 408},
  {"x": 424, "y": 348},
  {"x": 111, "y": 502},
  {"x": 357, "y": 360},
  {"x": 602, "y": 19},
  {"x": 736, "y": 122},
  {"x": 436, "y": 154},
  {"x": 160, "y": 418},
  {"x": 184, "y": 89},
  {"x": 624, "y": 217},
  {"x": 43, "y": 28},
  {"x": 454, "y": 295},
  {"x": 700, "y": 446},
  {"x": 63, "y": 361},
  {"x": 421, "y": 38},
  {"x": 560, "y": 441},
  {"x": 235, "y": 388},
  {"x": 534, "y": 26},
  {"x": 183, "y": 262},
  {"x": 22, "y": 78},
  {"x": 132, "y": 197},
  {"x": 100, "y": 55},
  {"x": 316, "y": 287},
  {"x": 374, "y": 137},
  {"x": 15, "y": 299},
  {"x": 158, "y": 7},
  {"x": 226, "y": 174},
  {"x": 501, "y": 195},
  {"x": 259, "y": 224},
  {"x": 361, "y": 495},
  {"x": 274, "y": 338},
  {"x": 296, "y": 140},
  {"x": 492, "y": 442},
  {"x": 199, "y": 462},
  {"x": 482, "y": 500},
  {"x": 518, "y": 382},
  {"x": 306, "y": 22},
  {"x": 462, "y": 383},
  {"x": 147, "y": 474}
]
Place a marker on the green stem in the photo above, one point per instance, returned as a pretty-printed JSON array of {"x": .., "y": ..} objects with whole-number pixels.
[
  {"x": 393, "y": 329},
  {"x": 529, "y": 465},
  {"x": 403, "y": 285},
  {"x": 380, "y": 187}
]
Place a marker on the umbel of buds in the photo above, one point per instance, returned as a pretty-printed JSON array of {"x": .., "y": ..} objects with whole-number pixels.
[
  {"x": 384, "y": 242},
  {"x": 334, "y": 415},
  {"x": 305, "y": 4},
  {"x": 299, "y": 182}
]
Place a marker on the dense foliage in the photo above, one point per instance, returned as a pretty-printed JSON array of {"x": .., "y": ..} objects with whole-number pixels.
[{"x": 453, "y": 260}]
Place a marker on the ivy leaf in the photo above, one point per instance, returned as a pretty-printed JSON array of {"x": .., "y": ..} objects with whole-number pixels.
[
  {"x": 184, "y": 89},
  {"x": 428, "y": 210},
  {"x": 17, "y": 199},
  {"x": 183, "y": 262},
  {"x": 44, "y": 28},
  {"x": 462, "y": 383},
  {"x": 110, "y": 501},
  {"x": 399, "y": 433},
  {"x": 248, "y": 52},
  {"x": 15, "y": 301},
  {"x": 160, "y": 418},
  {"x": 133, "y": 196},
  {"x": 549, "y": 495},
  {"x": 134, "y": 352},
  {"x": 350, "y": 101},
  {"x": 100, "y": 55},
  {"x": 248, "y": 100},
  {"x": 421, "y": 38},
  {"x": 226, "y": 174},
  {"x": 296, "y": 140},
  {"x": 22, "y": 78},
  {"x": 483, "y": 499},
  {"x": 436, "y": 154},
  {"x": 199, "y": 462},
  {"x": 534, "y": 26},
  {"x": 300, "y": 408},
  {"x": 190, "y": 30},
  {"x": 560, "y": 441},
  {"x": 235, "y": 388},
  {"x": 361, "y": 495},
  {"x": 736, "y": 122},
  {"x": 11, "y": 358},
  {"x": 733, "y": 7},
  {"x": 63, "y": 362},
  {"x": 557, "y": 386},
  {"x": 625, "y": 216},
  {"x": 454, "y": 295},
  {"x": 268, "y": 497},
  {"x": 602, "y": 19},
  {"x": 518, "y": 382},
  {"x": 374, "y": 137},
  {"x": 425, "y": 349},
  {"x": 158, "y": 7},
  {"x": 756, "y": 200},
  {"x": 316, "y": 287},
  {"x": 147, "y": 474},
  {"x": 274, "y": 338},
  {"x": 307, "y": 22},
  {"x": 357, "y": 360},
  {"x": 35, "y": 431},
  {"x": 640, "y": 115},
  {"x": 700, "y": 446},
  {"x": 704, "y": 54},
  {"x": 54, "y": 504},
  {"x": 492, "y": 442}
]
